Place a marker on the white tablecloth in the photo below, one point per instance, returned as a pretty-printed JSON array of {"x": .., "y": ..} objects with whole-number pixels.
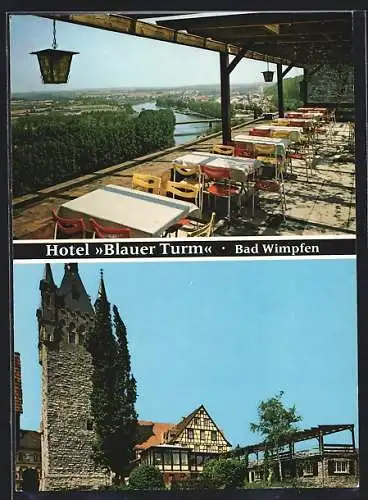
[
  {"x": 297, "y": 114},
  {"x": 294, "y": 133},
  {"x": 146, "y": 214},
  {"x": 281, "y": 145},
  {"x": 240, "y": 168}
]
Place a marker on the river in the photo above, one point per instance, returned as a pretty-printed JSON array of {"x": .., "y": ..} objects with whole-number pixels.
[{"x": 182, "y": 133}]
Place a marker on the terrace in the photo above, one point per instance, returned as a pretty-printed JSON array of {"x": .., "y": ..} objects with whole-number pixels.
[{"x": 317, "y": 186}]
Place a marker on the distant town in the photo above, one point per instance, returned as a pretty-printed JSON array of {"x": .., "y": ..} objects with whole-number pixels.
[{"x": 243, "y": 99}]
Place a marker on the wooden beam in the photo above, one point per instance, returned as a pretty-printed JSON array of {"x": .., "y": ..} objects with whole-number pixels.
[
  {"x": 129, "y": 26},
  {"x": 291, "y": 65},
  {"x": 236, "y": 59},
  {"x": 280, "y": 92},
  {"x": 273, "y": 28},
  {"x": 257, "y": 19},
  {"x": 225, "y": 98}
]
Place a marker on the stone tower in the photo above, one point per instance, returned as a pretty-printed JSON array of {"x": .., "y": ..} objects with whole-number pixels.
[{"x": 64, "y": 317}]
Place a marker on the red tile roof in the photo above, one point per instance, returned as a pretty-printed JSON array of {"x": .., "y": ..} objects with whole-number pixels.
[
  {"x": 18, "y": 384},
  {"x": 151, "y": 433}
]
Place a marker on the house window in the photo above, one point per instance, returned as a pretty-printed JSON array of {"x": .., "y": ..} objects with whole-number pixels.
[
  {"x": 202, "y": 435},
  {"x": 176, "y": 458},
  {"x": 157, "y": 458},
  {"x": 196, "y": 421},
  {"x": 308, "y": 469},
  {"x": 213, "y": 435},
  {"x": 167, "y": 458},
  {"x": 184, "y": 458},
  {"x": 192, "y": 460},
  {"x": 190, "y": 434},
  {"x": 89, "y": 425},
  {"x": 341, "y": 467},
  {"x": 199, "y": 459}
]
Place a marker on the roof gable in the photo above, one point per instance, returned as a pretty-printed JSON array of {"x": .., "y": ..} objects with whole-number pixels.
[{"x": 177, "y": 431}]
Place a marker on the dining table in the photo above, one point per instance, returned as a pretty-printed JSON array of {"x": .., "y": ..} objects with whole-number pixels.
[
  {"x": 292, "y": 122},
  {"x": 294, "y": 134},
  {"x": 313, "y": 110},
  {"x": 251, "y": 141},
  {"x": 146, "y": 214},
  {"x": 240, "y": 168},
  {"x": 310, "y": 114}
]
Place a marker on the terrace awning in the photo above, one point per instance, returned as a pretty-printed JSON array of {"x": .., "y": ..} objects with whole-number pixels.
[{"x": 300, "y": 38}]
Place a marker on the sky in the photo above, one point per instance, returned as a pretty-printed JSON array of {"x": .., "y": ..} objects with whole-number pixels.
[
  {"x": 225, "y": 334},
  {"x": 115, "y": 60}
]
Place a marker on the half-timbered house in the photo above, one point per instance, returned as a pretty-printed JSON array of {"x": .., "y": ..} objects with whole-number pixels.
[{"x": 180, "y": 450}]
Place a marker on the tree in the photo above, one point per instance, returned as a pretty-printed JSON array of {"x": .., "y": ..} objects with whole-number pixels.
[
  {"x": 113, "y": 389},
  {"x": 126, "y": 416},
  {"x": 225, "y": 472},
  {"x": 276, "y": 424},
  {"x": 146, "y": 477}
]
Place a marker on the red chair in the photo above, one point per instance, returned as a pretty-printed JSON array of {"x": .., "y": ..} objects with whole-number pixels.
[
  {"x": 242, "y": 152},
  {"x": 296, "y": 123},
  {"x": 216, "y": 189},
  {"x": 109, "y": 232},
  {"x": 260, "y": 132},
  {"x": 68, "y": 226}
]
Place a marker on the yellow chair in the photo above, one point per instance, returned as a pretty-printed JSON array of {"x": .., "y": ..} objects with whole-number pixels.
[
  {"x": 185, "y": 171},
  {"x": 282, "y": 134},
  {"x": 183, "y": 190},
  {"x": 206, "y": 230},
  {"x": 145, "y": 182},
  {"x": 265, "y": 149},
  {"x": 281, "y": 121},
  {"x": 271, "y": 160},
  {"x": 223, "y": 150}
]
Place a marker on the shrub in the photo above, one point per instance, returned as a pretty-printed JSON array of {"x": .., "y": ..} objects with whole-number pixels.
[
  {"x": 146, "y": 477},
  {"x": 225, "y": 473}
]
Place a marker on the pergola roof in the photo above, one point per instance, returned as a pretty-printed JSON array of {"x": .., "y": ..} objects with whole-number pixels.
[
  {"x": 131, "y": 24},
  {"x": 301, "y": 37},
  {"x": 302, "y": 435}
]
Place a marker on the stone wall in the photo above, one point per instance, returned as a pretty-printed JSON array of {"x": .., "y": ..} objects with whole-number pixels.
[
  {"x": 327, "y": 84},
  {"x": 66, "y": 420}
]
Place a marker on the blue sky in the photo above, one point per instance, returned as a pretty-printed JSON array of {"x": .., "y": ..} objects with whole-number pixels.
[
  {"x": 108, "y": 59},
  {"x": 225, "y": 334}
]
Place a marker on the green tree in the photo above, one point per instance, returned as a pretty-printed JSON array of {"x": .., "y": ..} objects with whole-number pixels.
[
  {"x": 125, "y": 417},
  {"x": 146, "y": 477},
  {"x": 225, "y": 472},
  {"x": 113, "y": 390},
  {"x": 276, "y": 423}
]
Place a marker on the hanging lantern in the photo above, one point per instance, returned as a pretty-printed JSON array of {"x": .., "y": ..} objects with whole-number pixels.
[
  {"x": 268, "y": 75},
  {"x": 54, "y": 64}
]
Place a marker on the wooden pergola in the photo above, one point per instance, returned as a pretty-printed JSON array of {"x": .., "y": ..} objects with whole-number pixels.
[
  {"x": 317, "y": 432},
  {"x": 299, "y": 39}
]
